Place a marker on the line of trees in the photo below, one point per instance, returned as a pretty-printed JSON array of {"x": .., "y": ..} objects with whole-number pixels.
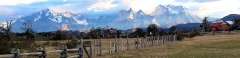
[{"x": 94, "y": 33}]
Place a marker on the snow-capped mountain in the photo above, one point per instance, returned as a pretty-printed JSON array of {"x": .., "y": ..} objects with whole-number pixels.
[
  {"x": 164, "y": 16},
  {"x": 47, "y": 20},
  {"x": 169, "y": 15},
  {"x": 102, "y": 21},
  {"x": 128, "y": 19}
]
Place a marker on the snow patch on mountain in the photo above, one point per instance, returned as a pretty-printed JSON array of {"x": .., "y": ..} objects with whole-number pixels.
[
  {"x": 22, "y": 21},
  {"x": 155, "y": 22},
  {"x": 67, "y": 14},
  {"x": 35, "y": 19},
  {"x": 47, "y": 13},
  {"x": 174, "y": 11},
  {"x": 84, "y": 21},
  {"x": 130, "y": 16}
]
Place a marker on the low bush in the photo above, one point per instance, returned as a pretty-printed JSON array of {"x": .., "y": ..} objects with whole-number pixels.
[
  {"x": 48, "y": 43},
  {"x": 5, "y": 47},
  {"x": 24, "y": 46},
  {"x": 55, "y": 44},
  {"x": 71, "y": 44}
]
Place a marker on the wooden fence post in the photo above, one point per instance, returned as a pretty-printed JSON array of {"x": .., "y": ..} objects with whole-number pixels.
[
  {"x": 115, "y": 45},
  {"x": 133, "y": 43},
  {"x": 127, "y": 44},
  {"x": 90, "y": 48},
  {"x": 152, "y": 40},
  {"x": 15, "y": 52},
  {"x": 158, "y": 40},
  {"x": 97, "y": 51},
  {"x": 94, "y": 51},
  {"x": 140, "y": 42},
  {"x": 174, "y": 37},
  {"x": 100, "y": 46},
  {"x": 110, "y": 47},
  {"x": 163, "y": 39},
  {"x": 80, "y": 49},
  {"x": 136, "y": 43},
  {"x": 147, "y": 41},
  {"x": 171, "y": 37},
  {"x": 168, "y": 38},
  {"x": 144, "y": 42},
  {"x": 63, "y": 54},
  {"x": 43, "y": 55},
  {"x": 122, "y": 44}
]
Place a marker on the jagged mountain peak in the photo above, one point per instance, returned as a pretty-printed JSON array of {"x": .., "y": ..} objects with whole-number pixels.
[
  {"x": 140, "y": 11},
  {"x": 173, "y": 14},
  {"x": 130, "y": 10},
  {"x": 53, "y": 20},
  {"x": 164, "y": 16},
  {"x": 170, "y": 9},
  {"x": 49, "y": 12}
]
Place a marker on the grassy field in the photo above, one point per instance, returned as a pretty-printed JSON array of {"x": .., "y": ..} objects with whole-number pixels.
[
  {"x": 220, "y": 45},
  {"x": 207, "y": 46}
]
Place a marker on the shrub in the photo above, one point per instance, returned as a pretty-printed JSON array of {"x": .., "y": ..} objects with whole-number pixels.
[
  {"x": 71, "y": 44},
  {"x": 48, "y": 43},
  {"x": 25, "y": 46},
  {"x": 56, "y": 44},
  {"x": 5, "y": 47}
]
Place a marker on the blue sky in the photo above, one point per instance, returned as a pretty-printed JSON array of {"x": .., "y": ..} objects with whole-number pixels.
[{"x": 14, "y": 9}]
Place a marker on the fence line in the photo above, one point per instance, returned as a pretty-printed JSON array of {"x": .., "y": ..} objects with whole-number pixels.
[
  {"x": 42, "y": 54},
  {"x": 119, "y": 44},
  {"x": 136, "y": 43}
]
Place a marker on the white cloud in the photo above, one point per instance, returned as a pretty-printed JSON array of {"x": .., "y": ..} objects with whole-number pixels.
[
  {"x": 14, "y": 2},
  {"x": 217, "y": 8},
  {"x": 146, "y": 5},
  {"x": 103, "y": 4},
  {"x": 213, "y": 8}
]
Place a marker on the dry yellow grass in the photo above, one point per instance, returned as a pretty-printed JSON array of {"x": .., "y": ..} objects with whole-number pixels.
[{"x": 207, "y": 46}]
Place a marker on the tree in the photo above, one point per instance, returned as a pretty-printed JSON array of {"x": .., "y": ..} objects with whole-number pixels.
[
  {"x": 205, "y": 24},
  {"x": 28, "y": 30},
  {"x": 152, "y": 29},
  {"x": 118, "y": 33},
  {"x": 59, "y": 35},
  {"x": 236, "y": 23},
  {"x": 139, "y": 32},
  {"x": 80, "y": 35},
  {"x": 172, "y": 28},
  {"x": 8, "y": 30},
  {"x": 99, "y": 32},
  {"x": 161, "y": 31}
]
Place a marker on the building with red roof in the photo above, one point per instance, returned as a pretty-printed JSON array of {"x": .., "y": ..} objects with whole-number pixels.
[{"x": 221, "y": 25}]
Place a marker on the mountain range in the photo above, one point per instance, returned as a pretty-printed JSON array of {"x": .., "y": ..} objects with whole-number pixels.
[
  {"x": 163, "y": 16},
  {"x": 230, "y": 17}
]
